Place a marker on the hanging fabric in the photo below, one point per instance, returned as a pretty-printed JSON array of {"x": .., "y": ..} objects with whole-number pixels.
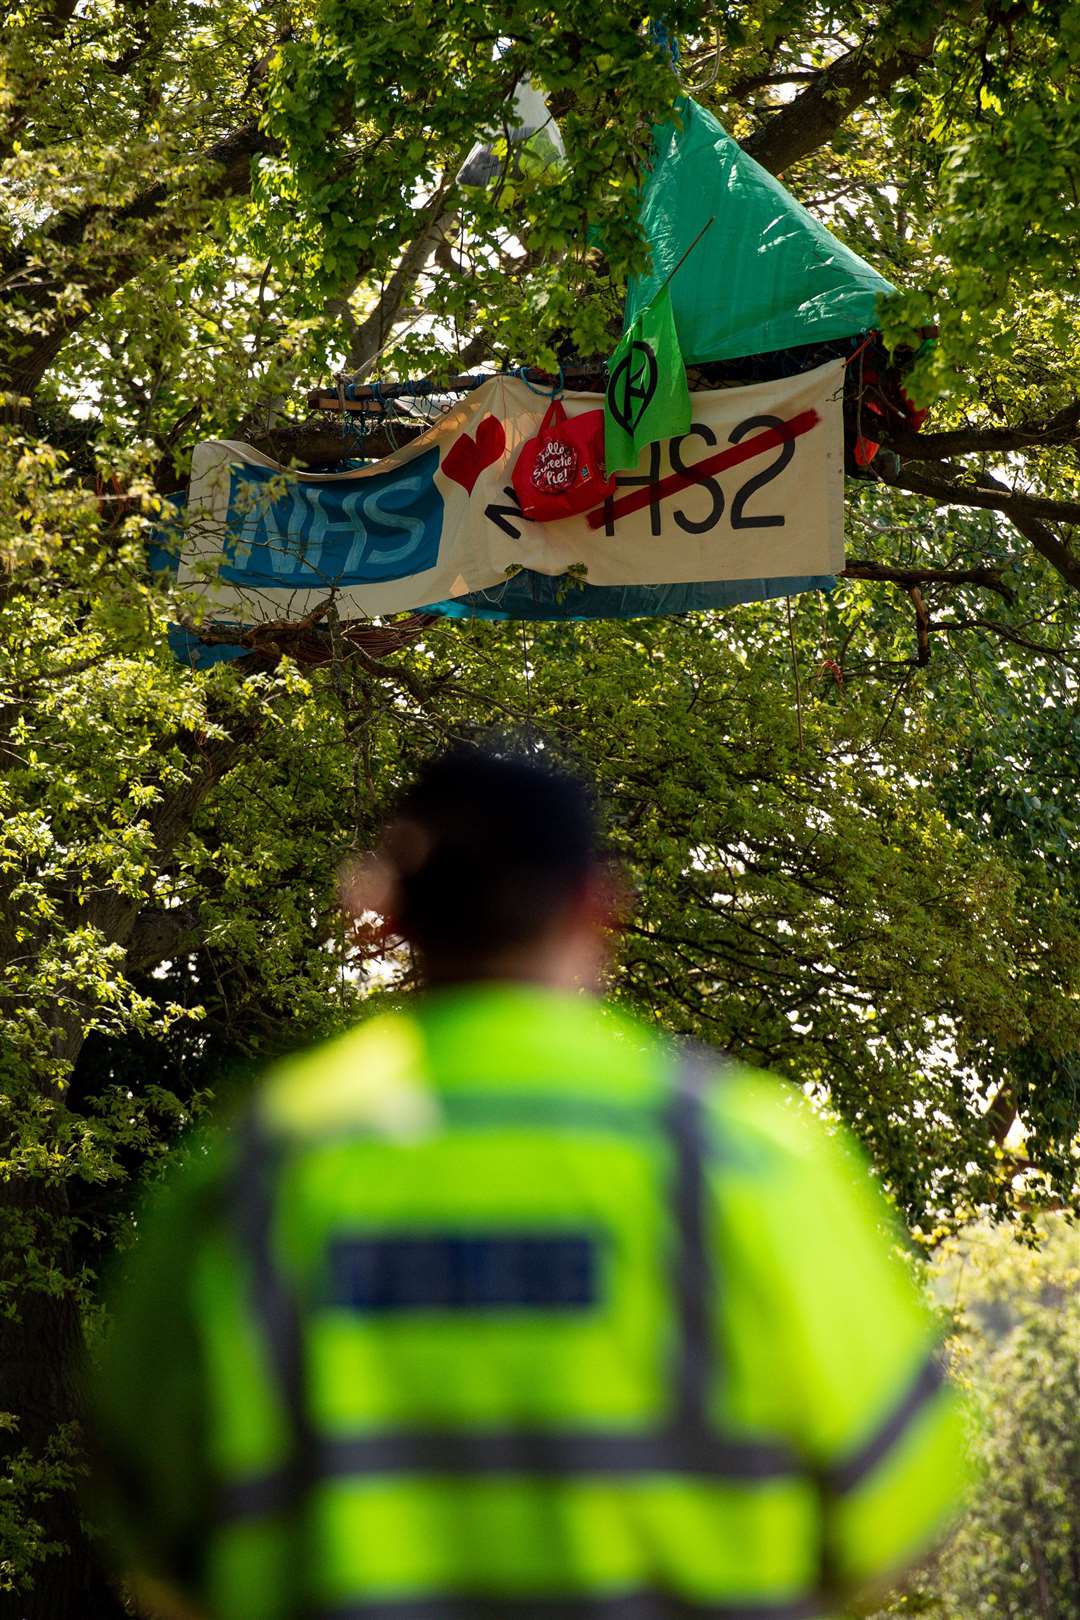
[
  {"x": 768, "y": 275},
  {"x": 532, "y": 145},
  {"x": 752, "y": 491}
]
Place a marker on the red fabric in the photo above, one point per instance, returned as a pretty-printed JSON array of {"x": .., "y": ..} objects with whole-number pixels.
[
  {"x": 866, "y": 448},
  {"x": 561, "y": 471},
  {"x": 892, "y": 395},
  {"x": 915, "y": 417}
]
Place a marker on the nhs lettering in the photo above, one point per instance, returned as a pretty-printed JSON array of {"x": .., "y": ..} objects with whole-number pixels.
[{"x": 383, "y": 527}]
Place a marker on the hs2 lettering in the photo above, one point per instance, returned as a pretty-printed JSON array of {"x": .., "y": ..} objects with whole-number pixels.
[{"x": 699, "y": 516}]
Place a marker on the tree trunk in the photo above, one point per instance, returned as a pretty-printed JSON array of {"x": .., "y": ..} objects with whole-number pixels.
[{"x": 41, "y": 1359}]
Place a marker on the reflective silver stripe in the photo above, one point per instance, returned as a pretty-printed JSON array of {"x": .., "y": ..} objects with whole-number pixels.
[
  {"x": 692, "y": 1279},
  {"x": 273, "y": 1304},
  {"x": 528, "y": 1109},
  {"x": 529, "y": 1454},
  {"x": 547, "y": 1110},
  {"x": 643, "y": 1605},
  {"x": 848, "y": 1475},
  {"x": 537, "y": 1452},
  {"x": 275, "y": 1309}
]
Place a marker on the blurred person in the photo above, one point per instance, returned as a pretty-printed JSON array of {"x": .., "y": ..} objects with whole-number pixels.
[{"x": 502, "y": 1306}]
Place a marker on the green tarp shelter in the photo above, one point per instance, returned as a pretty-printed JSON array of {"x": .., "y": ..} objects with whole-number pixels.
[{"x": 766, "y": 275}]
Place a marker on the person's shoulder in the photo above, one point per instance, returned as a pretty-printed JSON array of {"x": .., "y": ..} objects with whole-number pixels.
[
  {"x": 768, "y": 1126},
  {"x": 371, "y": 1074}
]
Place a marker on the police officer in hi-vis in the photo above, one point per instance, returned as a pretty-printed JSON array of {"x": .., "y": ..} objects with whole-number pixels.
[{"x": 500, "y": 1306}]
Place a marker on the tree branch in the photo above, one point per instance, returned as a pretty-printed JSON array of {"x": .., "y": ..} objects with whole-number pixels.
[
  {"x": 1060, "y": 429},
  {"x": 232, "y": 154},
  {"x": 1047, "y": 544},
  {"x": 319, "y": 441},
  {"x": 371, "y": 334},
  {"x": 308, "y": 641},
  {"x": 765, "y": 81},
  {"x": 922, "y": 625},
  {"x": 1026, "y": 512},
  {"x": 38, "y": 284},
  {"x": 989, "y": 578},
  {"x": 813, "y": 118},
  {"x": 1043, "y": 648}
]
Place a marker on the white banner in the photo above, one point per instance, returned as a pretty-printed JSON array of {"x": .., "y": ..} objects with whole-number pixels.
[{"x": 439, "y": 518}]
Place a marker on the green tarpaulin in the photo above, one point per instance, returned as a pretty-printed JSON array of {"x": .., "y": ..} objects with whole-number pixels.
[{"x": 766, "y": 275}]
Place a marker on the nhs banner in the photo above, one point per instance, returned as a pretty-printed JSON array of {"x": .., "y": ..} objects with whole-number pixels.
[
  {"x": 753, "y": 492},
  {"x": 385, "y": 526}
]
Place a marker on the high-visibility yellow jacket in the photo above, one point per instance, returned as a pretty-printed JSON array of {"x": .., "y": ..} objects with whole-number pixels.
[{"x": 502, "y": 1310}]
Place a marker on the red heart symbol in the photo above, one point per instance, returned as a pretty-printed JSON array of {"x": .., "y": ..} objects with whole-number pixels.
[{"x": 467, "y": 457}]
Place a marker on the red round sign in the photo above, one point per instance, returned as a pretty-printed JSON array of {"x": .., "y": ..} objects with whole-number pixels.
[{"x": 555, "y": 467}]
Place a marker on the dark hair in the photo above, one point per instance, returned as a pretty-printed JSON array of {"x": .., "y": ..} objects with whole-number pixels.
[{"x": 489, "y": 848}]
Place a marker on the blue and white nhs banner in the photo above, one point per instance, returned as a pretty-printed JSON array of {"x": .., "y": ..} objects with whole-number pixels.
[
  {"x": 438, "y": 520},
  {"x": 292, "y": 534}
]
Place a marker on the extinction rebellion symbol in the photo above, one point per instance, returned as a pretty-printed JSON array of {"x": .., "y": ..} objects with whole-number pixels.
[{"x": 632, "y": 386}]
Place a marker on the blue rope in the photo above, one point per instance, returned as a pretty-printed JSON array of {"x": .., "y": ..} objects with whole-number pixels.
[
  {"x": 522, "y": 373},
  {"x": 410, "y": 388},
  {"x": 665, "y": 40}
]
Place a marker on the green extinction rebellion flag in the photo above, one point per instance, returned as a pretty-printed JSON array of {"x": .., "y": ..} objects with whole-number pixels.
[{"x": 647, "y": 398}]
